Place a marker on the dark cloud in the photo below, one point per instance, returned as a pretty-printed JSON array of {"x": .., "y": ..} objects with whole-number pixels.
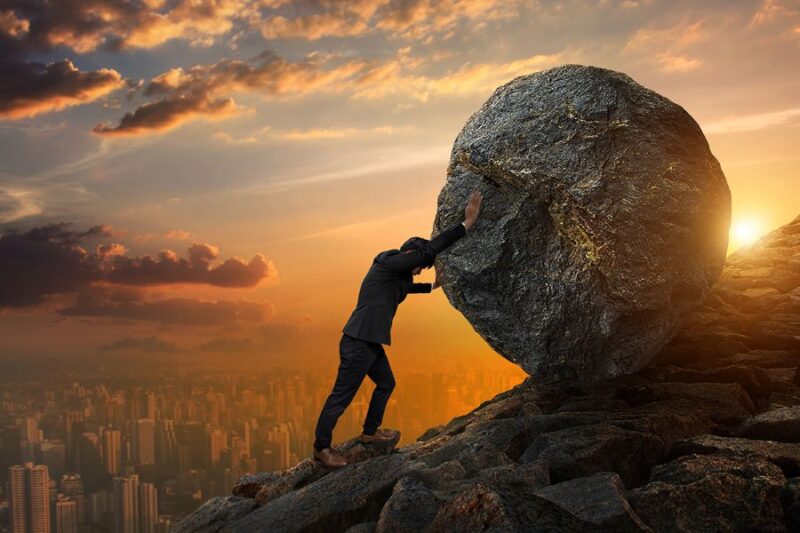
[
  {"x": 132, "y": 305},
  {"x": 147, "y": 344},
  {"x": 167, "y": 113},
  {"x": 28, "y": 88},
  {"x": 53, "y": 259},
  {"x": 202, "y": 90}
]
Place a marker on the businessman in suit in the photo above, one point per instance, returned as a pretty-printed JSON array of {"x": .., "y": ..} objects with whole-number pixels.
[{"x": 361, "y": 353}]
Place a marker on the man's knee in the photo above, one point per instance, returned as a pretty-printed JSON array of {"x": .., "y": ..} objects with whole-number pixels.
[{"x": 387, "y": 384}]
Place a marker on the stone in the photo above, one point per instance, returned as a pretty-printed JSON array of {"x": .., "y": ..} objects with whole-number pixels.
[
  {"x": 599, "y": 499},
  {"x": 711, "y": 493},
  {"x": 781, "y": 425},
  {"x": 604, "y": 222},
  {"x": 346, "y": 496},
  {"x": 790, "y": 499},
  {"x": 585, "y": 450},
  {"x": 411, "y": 507},
  {"x": 215, "y": 514},
  {"x": 784, "y": 455},
  {"x": 510, "y": 508},
  {"x": 266, "y": 486}
]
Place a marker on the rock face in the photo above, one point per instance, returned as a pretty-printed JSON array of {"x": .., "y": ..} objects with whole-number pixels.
[
  {"x": 604, "y": 222},
  {"x": 688, "y": 444}
]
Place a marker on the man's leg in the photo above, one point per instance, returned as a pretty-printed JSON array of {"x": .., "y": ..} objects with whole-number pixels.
[
  {"x": 354, "y": 362},
  {"x": 381, "y": 373}
]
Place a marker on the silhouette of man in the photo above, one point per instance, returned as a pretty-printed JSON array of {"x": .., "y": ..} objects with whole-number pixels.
[{"x": 361, "y": 352}]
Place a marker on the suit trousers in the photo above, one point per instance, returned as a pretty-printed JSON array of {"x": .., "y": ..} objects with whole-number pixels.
[{"x": 357, "y": 359}]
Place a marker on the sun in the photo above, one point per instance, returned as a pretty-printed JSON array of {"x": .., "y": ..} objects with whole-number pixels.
[{"x": 745, "y": 231}]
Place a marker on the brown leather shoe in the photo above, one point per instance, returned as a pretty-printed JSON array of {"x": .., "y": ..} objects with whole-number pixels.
[
  {"x": 382, "y": 435},
  {"x": 329, "y": 458}
]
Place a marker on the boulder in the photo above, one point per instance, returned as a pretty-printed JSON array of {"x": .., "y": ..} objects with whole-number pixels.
[
  {"x": 599, "y": 499},
  {"x": 411, "y": 507},
  {"x": 604, "y": 222},
  {"x": 781, "y": 424},
  {"x": 782, "y": 454},
  {"x": 507, "y": 508},
  {"x": 712, "y": 493}
]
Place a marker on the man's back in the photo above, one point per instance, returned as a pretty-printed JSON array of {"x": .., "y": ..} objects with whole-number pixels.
[{"x": 386, "y": 284}]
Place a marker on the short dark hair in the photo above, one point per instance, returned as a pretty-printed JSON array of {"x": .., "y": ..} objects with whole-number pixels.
[{"x": 416, "y": 243}]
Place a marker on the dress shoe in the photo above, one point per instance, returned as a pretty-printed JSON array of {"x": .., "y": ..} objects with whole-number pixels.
[
  {"x": 329, "y": 458},
  {"x": 382, "y": 435}
]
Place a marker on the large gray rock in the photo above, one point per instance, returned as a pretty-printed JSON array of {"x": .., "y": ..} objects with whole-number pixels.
[{"x": 604, "y": 222}]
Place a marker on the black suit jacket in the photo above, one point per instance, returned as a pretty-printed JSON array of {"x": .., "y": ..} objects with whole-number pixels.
[{"x": 387, "y": 283}]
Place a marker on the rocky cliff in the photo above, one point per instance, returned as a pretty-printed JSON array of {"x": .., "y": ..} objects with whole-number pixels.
[{"x": 705, "y": 438}]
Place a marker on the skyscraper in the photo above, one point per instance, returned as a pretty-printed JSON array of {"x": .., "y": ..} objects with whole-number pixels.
[
  {"x": 66, "y": 515},
  {"x": 144, "y": 446},
  {"x": 52, "y": 454},
  {"x": 126, "y": 504},
  {"x": 166, "y": 443},
  {"x": 112, "y": 451},
  {"x": 148, "y": 508},
  {"x": 30, "y": 502}
]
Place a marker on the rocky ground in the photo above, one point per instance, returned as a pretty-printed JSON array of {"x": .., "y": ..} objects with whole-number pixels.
[{"x": 705, "y": 438}]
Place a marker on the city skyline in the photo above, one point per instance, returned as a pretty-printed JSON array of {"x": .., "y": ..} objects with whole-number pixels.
[{"x": 133, "y": 449}]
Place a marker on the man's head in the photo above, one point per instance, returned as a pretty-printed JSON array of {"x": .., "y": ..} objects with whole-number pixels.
[{"x": 412, "y": 244}]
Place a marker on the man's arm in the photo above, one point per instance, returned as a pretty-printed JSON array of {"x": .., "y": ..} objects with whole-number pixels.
[
  {"x": 420, "y": 287},
  {"x": 407, "y": 261}
]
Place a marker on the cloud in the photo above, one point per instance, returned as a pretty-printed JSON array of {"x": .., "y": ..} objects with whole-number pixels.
[
  {"x": 29, "y": 89},
  {"x": 185, "y": 94},
  {"x": 267, "y": 338},
  {"x": 168, "y": 113},
  {"x": 86, "y": 26},
  {"x": 407, "y": 19},
  {"x": 773, "y": 10},
  {"x": 52, "y": 260},
  {"x": 110, "y": 302},
  {"x": 311, "y": 134},
  {"x": 147, "y": 344},
  {"x": 177, "y": 235},
  {"x": 752, "y": 122},
  {"x": 668, "y": 46},
  {"x": 202, "y": 90}
]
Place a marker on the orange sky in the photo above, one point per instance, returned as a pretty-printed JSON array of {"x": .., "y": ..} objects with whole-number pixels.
[{"x": 317, "y": 133}]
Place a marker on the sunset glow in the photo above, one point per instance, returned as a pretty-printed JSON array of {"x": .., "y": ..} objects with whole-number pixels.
[{"x": 745, "y": 231}]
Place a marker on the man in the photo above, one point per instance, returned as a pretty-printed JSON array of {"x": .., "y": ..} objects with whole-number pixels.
[{"x": 361, "y": 353}]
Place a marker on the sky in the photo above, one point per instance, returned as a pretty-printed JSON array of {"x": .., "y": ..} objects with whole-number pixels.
[{"x": 213, "y": 178}]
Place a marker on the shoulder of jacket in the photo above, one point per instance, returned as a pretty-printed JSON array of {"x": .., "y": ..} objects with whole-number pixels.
[{"x": 384, "y": 254}]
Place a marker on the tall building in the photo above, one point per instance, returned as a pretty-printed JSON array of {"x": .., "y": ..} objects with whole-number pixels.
[
  {"x": 217, "y": 441},
  {"x": 66, "y": 515},
  {"x": 92, "y": 470},
  {"x": 52, "y": 454},
  {"x": 112, "y": 451},
  {"x": 126, "y": 504},
  {"x": 29, "y": 497},
  {"x": 279, "y": 436},
  {"x": 144, "y": 445},
  {"x": 148, "y": 508},
  {"x": 166, "y": 443},
  {"x": 29, "y": 429}
]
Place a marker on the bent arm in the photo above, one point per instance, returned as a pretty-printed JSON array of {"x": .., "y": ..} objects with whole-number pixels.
[
  {"x": 405, "y": 262},
  {"x": 420, "y": 287}
]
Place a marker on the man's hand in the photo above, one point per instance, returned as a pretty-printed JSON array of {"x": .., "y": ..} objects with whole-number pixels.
[
  {"x": 438, "y": 281},
  {"x": 473, "y": 208}
]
